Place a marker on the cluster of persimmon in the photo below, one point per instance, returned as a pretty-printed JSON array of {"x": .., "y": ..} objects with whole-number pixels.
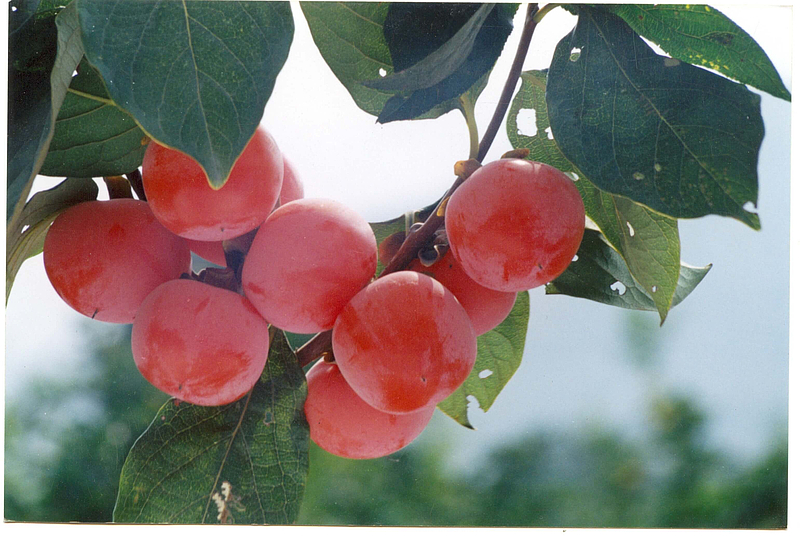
[{"x": 401, "y": 343}]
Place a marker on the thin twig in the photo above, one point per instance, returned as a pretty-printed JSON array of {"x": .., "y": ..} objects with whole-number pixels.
[{"x": 511, "y": 82}]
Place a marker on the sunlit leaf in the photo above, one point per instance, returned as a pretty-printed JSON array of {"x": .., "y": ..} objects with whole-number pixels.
[
  {"x": 499, "y": 355},
  {"x": 701, "y": 35},
  {"x": 600, "y": 274}
]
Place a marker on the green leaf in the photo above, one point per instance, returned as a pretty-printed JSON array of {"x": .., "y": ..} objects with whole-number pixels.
[
  {"x": 93, "y": 137},
  {"x": 195, "y": 75},
  {"x": 499, "y": 355},
  {"x": 37, "y": 86},
  {"x": 443, "y": 61},
  {"x": 701, "y": 35},
  {"x": 600, "y": 274},
  {"x": 677, "y": 138},
  {"x": 440, "y": 51},
  {"x": 259, "y": 445},
  {"x": 26, "y": 238},
  {"x": 350, "y": 37},
  {"x": 648, "y": 241}
]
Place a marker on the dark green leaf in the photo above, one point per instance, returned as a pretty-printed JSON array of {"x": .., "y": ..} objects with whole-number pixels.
[
  {"x": 648, "y": 241},
  {"x": 37, "y": 86},
  {"x": 195, "y": 75},
  {"x": 677, "y": 138},
  {"x": 701, "y": 35},
  {"x": 26, "y": 238},
  {"x": 600, "y": 274},
  {"x": 350, "y": 37},
  {"x": 443, "y": 61},
  {"x": 499, "y": 356},
  {"x": 436, "y": 37},
  {"x": 93, "y": 137},
  {"x": 259, "y": 445}
]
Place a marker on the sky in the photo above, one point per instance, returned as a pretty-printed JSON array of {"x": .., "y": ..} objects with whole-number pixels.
[{"x": 726, "y": 346}]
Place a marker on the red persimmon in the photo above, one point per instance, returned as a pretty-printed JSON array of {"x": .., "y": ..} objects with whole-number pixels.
[{"x": 104, "y": 257}]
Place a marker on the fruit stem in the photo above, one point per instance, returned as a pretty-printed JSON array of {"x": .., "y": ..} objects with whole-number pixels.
[
  {"x": 511, "y": 81},
  {"x": 315, "y": 348},
  {"x": 118, "y": 187},
  {"x": 135, "y": 179},
  {"x": 467, "y": 108}
]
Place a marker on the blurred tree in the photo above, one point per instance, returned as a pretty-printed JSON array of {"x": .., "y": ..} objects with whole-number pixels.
[
  {"x": 66, "y": 442},
  {"x": 87, "y": 426}
]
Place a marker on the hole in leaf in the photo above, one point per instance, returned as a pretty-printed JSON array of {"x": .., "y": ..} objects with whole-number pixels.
[
  {"x": 619, "y": 287},
  {"x": 549, "y": 132},
  {"x": 657, "y": 167},
  {"x": 574, "y": 258},
  {"x": 575, "y": 54},
  {"x": 485, "y": 373},
  {"x": 750, "y": 207},
  {"x": 526, "y": 122},
  {"x": 472, "y": 402},
  {"x": 382, "y": 72},
  {"x": 638, "y": 176},
  {"x": 654, "y": 288},
  {"x": 24, "y": 228},
  {"x": 574, "y": 176},
  {"x": 74, "y": 73},
  {"x": 630, "y": 229}
]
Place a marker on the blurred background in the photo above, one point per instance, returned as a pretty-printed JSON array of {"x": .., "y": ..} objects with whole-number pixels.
[{"x": 610, "y": 420}]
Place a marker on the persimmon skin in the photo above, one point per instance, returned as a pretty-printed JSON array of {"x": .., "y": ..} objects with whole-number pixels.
[
  {"x": 201, "y": 344},
  {"x": 306, "y": 262},
  {"x": 178, "y": 192},
  {"x": 486, "y": 307},
  {"x": 404, "y": 342},
  {"x": 104, "y": 257},
  {"x": 341, "y": 423},
  {"x": 515, "y": 224},
  {"x": 292, "y": 188}
]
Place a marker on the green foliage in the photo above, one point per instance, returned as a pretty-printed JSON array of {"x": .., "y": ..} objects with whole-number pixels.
[
  {"x": 701, "y": 35},
  {"x": 93, "y": 137},
  {"x": 258, "y": 445},
  {"x": 677, "y": 138},
  {"x": 220, "y": 59},
  {"x": 499, "y": 355},
  {"x": 408, "y": 44},
  {"x": 600, "y": 274},
  {"x": 439, "y": 51},
  {"x": 349, "y": 35},
  {"x": 44, "y": 51}
]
